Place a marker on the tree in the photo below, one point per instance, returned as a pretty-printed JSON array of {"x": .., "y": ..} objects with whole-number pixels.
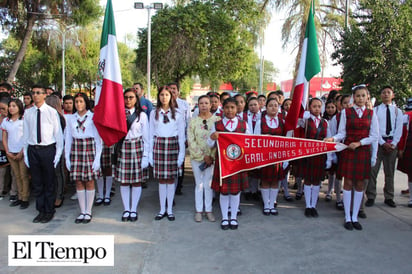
[
  {"x": 211, "y": 39},
  {"x": 19, "y": 17},
  {"x": 376, "y": 50}
]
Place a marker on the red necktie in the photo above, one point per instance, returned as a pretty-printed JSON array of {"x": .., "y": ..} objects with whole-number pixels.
[
  {"x": 273, "y": 120},
  {"x": 229, "y": 122}
]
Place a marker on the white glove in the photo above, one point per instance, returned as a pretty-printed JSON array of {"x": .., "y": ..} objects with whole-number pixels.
[
  {"x": 328, "y": 164},
  {"x": 96, "y": 165},
  {"x": 56, "y": 161},
  {"x": 301, "y": 122},
  {"x": 306, "y": 115},
  {"x": 26, "y": 160},
  {"x": 285, "y": 164},
  {"x": 68, "y": 165},
  {"x": 145, "y": 162}
]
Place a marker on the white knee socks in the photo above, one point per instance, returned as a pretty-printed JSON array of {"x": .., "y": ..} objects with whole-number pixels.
[
  {"x": 265, "y": 197},
  {"x": 89, "y": 200},
  {"x": 81, "y": 197},
  {"x": 224, "y": 206},
  {"x": 357, "y": 200},
  {"x": 234, "y": 201},
  {"x": 347, "y": 198},
  {"x": 100, "y": 187},
  {"x": 308, "y": 192},
  {"x": 136, "y": 193},
  {"x": 125, "y": 193},
  {"x": 109, "y": 182},
  {"x": 162, "y": 197},
  {"x": 170, "y": 197},
  {"x": 273, "y": 194},
  {"x": 314, "y": 196}
]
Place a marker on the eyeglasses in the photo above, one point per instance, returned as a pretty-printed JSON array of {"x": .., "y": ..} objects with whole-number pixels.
[
  {"x": 129, "y": 97},
  {"x": 358, "y": 87},
  {"x": 205, "y": 125},
  {"x": 37, "y": 92}
]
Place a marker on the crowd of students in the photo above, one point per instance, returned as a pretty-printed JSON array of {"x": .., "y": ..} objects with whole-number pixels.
[{"x": 50, "y": 144}]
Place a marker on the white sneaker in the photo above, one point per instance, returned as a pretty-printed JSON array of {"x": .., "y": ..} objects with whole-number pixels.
[{"x": 74, "y": 197}]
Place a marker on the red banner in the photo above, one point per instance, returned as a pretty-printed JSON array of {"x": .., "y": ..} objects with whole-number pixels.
[{"x": 241, "y": 152}]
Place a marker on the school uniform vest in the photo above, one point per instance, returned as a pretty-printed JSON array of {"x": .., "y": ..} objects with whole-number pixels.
[
  {"x": 357, "y": 128},
  {"x": 265, "y": 129}
]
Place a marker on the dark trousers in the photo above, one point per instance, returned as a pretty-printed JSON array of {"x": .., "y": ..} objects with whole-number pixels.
[{"x": 43, "y": 176}]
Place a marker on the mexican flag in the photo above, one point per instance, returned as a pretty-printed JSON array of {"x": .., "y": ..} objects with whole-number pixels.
[
  {"x": 109, "y": 112},
  {"x": 309, "y": 67}
]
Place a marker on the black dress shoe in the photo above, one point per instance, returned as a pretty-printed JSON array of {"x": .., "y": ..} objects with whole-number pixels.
[
  {"x": 308, "y": 212},
  {"x": 314, "y": 212},
  {"x": 357, "y": 225},
  {"x": 390, "y": 202},
  {"x": 266, "y": 211},
  {"x": 24, "y": 204},
  {"x": 348, "y": 226},
  {"x": 47, "y": 218},
  {"x": 288, "y": 198},
  {"x": 79, "y": 219},
  {"x": 38, "y": 218},
  {"x": 133, "y": 216},
  {"x": 362, "y": 214},
  {"x": 160, "y": 216},
  {"x": 171, "y": 217},
  {"x": 107, "y": 201},
  {"x": 125, "y": 216},
  {"x": 15, "y": 203},
  {"x": 233, "y": 224},
  {"x": 87, "y": 218},
  {"x": 298, "y": 196},
  {"x": 224, "y": 225},
  {"x": 370, "y": 202},
  {"x": 98, "y": 202}
]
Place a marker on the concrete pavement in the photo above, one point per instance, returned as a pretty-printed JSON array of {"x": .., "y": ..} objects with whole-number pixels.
[{"x": 287, "y": 243}]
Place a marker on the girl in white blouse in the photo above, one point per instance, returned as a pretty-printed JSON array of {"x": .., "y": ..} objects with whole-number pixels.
[
  {"x": 133, "y": 156},
  {"x": 167, "y": 148},
  {"x": 83, "y": 148}
]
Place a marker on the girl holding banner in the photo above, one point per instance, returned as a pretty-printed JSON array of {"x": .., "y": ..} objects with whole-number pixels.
[
  {"x": 167, "y": 149},
  {"x": 359, "y": 128},
  {"x": 271, "y": 124},
  {"x": 230, "y": 187}
]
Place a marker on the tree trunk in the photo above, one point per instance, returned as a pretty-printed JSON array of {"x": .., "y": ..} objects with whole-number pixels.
[{"x": 23, "y": 48}]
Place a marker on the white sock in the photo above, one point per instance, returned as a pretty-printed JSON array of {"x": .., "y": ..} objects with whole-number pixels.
[
  {"x": 89, "y": 200},
  {"x": 234, "y": 201},
  {"x": 338, "y": 188},
  {"x": 265, "y": 197},
  {"x": 100, "y": 186},
  {"x": 162, "y": 197},
  {"x": 81, "y": 197},
  {"x": 273, "y": 194},
  {"x": 347, "y": 198},
  {"x": 224, "y": 206},
  {"x": 170, "y": 197},
  {"x": 308, "y": 192},
  {"x": 410, "y": 191},
  {"x": 109, "y": 182},
  {"x": 331, "y": 182},
  {"x": 357, "y": 200},
  {"x": 285, "y": 186},
  {"x": 315, "y": 195},
  {"x": 125, "y": 193},
  {"x": 136, "y": 193}
]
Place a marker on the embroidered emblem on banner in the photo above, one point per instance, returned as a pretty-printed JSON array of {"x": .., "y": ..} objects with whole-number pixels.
[{"x": 233, "y": 152}]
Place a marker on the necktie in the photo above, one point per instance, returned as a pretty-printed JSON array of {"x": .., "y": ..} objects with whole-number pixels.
[
  {"x": 165, "y": 117},
  {"x": 38, "y": 127},
  {"x": 229, "y": 122},
  {"x": 317, "y": 121},
  {"x": 273, "y": 120},
  {"x": 127, "y": 113},
  {"x": 388, "y": 121},
  {"x": 360, "y": 112}
]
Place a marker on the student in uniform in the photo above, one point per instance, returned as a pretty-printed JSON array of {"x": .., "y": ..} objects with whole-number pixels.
[
  {"x": 133, "y": 156},
  {"x": 167, "y": 148},
  {"x": 270, "y": 124},
  {"x": 328, "y": 115},
  {"x": 83, "y": 149},
  {"x": 314, "y": 167},
  {"x": 359, "y": 128},
  {"x": 233, "y": 185},
  {"x": 241, "y": 107}
]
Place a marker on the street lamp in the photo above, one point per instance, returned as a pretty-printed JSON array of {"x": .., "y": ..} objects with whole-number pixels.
[
  {"x": 77, "y": 44},
  {"x": 155, "y": 6}
]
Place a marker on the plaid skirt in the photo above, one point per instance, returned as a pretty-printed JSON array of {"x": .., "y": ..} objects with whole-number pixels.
[
  {"x": 272, "y": 173},
  {"x": 105, "y": 160},
  {"x": 165, "y": 155},
  {"x": 82, "y": 155},
  {"x": 356, "y": 165},
  {"x": 314, "y": 168},
  {"x": 403, "y": 163},
  {"x": 129, "y": 162},
  {"x": 297, "y": 167},
  {"x": 231, "y": 185}
]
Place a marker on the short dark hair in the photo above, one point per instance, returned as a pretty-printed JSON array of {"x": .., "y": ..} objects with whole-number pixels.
[
  {"x": 140, "y": 84},
  {"x": 58, "y": 94},
  {"x": 279, "y": 92},
  {"x": 7, "y": 86},
  {"x": 385, "y": 87},
  {"x": 68, "y": 97},
  {"x": 39, "y": 86},
  {"x": 174, "y": 84},
  {"x": 229, "y": 100},
  {"x": 261, "y": 96}
]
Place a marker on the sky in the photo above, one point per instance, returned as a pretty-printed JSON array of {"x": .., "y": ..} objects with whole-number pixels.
[{"x": 129, "y": 20}]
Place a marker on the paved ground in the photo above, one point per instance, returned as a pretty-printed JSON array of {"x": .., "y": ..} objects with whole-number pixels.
[{"x": 287, "y": 243}]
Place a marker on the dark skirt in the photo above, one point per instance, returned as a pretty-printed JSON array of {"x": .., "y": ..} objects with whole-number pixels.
[
  {"x": 129, "y": 162},
  {"x": 314, "y": 169},
  {"x": 403, "y": 163},
  {"x": 231, "y": 185},
  {"x": 82, "y": 155},
  {"x": 356, "y": 165},
  {"x": 165, "y": 156}
]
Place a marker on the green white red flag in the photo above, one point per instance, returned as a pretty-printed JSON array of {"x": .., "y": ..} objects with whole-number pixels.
[
  {"x": 309, "y": 66},
  {"x": 109, "y": 112}
]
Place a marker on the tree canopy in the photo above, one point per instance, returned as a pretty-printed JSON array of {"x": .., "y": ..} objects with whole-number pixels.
[
  {"x": 377, "y": 50},
  {"x": 212, "y": 39}
]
